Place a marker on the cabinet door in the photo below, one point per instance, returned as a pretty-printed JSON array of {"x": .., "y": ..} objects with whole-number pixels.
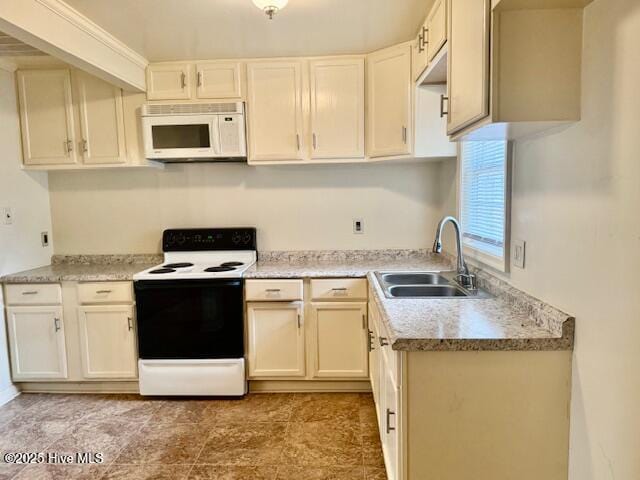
[
  {"x": 337, "y": 108},
  {"x": 390, "y": 423},
  {"x": 436, "y": 28},
  {"x": 169, "y": 81},
  {"x": 37, "y": 344},
  {"x": 419, "y": 49},
  {"x": 101, "y": 120},
  {"x": 468, "y": 79},
  {"x": 389, "y": 126},
  {"x": 108, "y": 341},
  {"x": 46, "y": 117},
  {"x": 218, "y": 80},
  {"x": 276, "y": 339},
  {"x": 339, "y": 340},
  {"x": 374, "y": 358},
  {"x": 275, "y": 110}
]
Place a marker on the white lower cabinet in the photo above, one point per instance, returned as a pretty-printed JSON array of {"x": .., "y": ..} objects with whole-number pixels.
[
  {"x": 37, "y": 343},
  {"x": 390, "y": 424},
  {"x": 276, "y": 339},
  {"x": 107, "y": 341},
  {"x": 338, "y": 339}
]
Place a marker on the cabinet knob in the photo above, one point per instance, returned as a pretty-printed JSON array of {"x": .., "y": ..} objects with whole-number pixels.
[
  {"x": 130, "y": 323},
  {"x": 183, "y": 80},
  {"x": 199, "y": 79},
  {"x": 383, "y": 341}
]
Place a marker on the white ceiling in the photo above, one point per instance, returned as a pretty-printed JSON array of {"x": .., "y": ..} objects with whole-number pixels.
[{"x": 208, "y": 29}]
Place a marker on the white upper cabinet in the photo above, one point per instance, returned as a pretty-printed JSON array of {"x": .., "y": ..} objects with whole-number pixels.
[
  {"x": 46, "y": 117},
  {"x": 468, "y": 83},
  {"x": 220, "y": 79},
  {"x": 275, "y": 110},
  {"x": 436, "y": 29},
  {"x": 389, "y": 102},
  {"x": 169, "y": 81},
  {"x": 101, "y": 120},
  {"x": 337, "y": 108}
]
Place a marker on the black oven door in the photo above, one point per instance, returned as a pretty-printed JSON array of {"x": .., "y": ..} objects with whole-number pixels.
[{"x": 190, "y": 319}]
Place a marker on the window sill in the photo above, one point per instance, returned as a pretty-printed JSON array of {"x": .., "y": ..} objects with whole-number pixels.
[{"x": 500, "y": 264}]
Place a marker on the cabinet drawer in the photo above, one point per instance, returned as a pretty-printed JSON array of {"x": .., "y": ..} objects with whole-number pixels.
[
  {"x": 105, "y": 292},
  {"x": 34, "y": 294},
  {"x": 273, "y": 290},
  {"x": 338, "y": 288}
]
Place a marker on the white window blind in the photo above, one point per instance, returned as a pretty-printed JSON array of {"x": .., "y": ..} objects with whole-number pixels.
[{"x": 483, "y": 192}]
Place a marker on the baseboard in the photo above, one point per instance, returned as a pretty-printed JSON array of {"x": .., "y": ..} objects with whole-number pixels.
[
  {"x": 8, "y": 394},
  {"x": 79, "y": 387},
  {"x": 285, "y": 386}
]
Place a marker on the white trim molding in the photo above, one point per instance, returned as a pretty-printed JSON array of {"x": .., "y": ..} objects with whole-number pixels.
[
  {"x": 8, "y": 394},
  {"x": 54, "y": 27},
  {"x": 7, "y": 65}
]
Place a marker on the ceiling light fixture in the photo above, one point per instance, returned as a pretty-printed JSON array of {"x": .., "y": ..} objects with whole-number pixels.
[{"x": 270, "y": 7}]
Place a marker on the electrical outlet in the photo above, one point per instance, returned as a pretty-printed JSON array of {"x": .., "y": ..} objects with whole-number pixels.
[
  {"x": 44, "y": 238},
  {"x": 358, "y": 226},
  {"x": 7, "y": 216},
  {"x": 518, "y": 251}
]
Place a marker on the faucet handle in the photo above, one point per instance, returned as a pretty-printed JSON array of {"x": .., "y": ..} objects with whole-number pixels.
[{"x": 468, "y": 281}]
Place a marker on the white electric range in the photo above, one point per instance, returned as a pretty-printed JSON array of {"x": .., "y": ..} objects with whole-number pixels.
[{"x": 190, "y": 313}]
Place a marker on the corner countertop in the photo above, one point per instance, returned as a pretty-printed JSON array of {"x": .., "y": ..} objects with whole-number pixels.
[{"x": 509, "y": 320}]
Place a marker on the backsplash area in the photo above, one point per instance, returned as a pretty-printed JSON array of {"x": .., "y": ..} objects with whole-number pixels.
[{"x": 293, "y": 208}]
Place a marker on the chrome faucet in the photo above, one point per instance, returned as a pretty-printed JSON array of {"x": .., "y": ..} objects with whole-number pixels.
[{"x": 464, "y": 278}]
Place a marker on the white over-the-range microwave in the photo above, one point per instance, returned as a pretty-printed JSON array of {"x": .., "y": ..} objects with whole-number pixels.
[{"x": 194, "y": 132}]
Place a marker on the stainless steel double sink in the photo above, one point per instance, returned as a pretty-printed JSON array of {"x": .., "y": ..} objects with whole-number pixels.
[{"x": 425, "y": 285}]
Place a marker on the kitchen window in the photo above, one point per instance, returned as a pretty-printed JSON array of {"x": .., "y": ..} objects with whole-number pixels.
[{"x": 484, "y": 201}]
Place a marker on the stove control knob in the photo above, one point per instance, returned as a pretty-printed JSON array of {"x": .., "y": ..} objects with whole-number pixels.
[
  {"x": 180, "y": 239},
  {"x": 236, "y": 239},
  {"x": 246, "y": 239}
]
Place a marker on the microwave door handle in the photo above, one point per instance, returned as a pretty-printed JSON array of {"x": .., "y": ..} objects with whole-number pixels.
[{"x": 215, "y": 135}]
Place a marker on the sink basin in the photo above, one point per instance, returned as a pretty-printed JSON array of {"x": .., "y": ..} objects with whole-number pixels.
[
  {"x": 414, "y": 279},
  {"x": 435, "y": 284},
  {"x": 426, "y": 291}
]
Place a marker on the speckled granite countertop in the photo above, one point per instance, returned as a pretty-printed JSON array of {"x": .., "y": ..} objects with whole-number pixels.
[
  {"x": 509, "y": 320},
  {"x": 86, "y": 268}
]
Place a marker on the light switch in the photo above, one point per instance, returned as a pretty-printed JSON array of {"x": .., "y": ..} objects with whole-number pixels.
[
  {"x": 518, "y": 253},
  {"x": 358, "y": 226}
]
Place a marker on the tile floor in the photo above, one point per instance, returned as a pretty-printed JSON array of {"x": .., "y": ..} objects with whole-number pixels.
[{"x": 261, "y": 437}]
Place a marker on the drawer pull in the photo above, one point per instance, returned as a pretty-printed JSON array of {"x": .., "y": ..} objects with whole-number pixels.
[
  {"x": 100, "y": 292},
  {"x": 340, "y": 292},
  {"x": 389, "y": 427},
  {"x": 383, "y": 341},
  {"x": 299, "y": 321},
  {"x": 272, "y": 290},
  {"x": 56, "y": 324},
  {"x": 364, "y": 321},
  {"x": 129, "y": 323},
  {"x": 30, "y": 292}
]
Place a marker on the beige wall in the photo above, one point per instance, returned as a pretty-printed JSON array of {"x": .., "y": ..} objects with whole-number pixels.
[
  {"x": 576, "y": 202},
  {"x": 26, "y": 194},
  {"x": 294, "y": 208}
]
